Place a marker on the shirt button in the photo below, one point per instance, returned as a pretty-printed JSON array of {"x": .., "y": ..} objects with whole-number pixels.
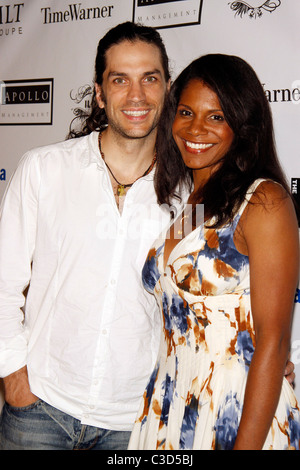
[
  {"x": 104, "y": 332},
  {"x": 113, "y": 281}
]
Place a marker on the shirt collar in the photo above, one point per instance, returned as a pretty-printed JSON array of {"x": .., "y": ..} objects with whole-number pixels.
[{"x": 91, "y": 153}]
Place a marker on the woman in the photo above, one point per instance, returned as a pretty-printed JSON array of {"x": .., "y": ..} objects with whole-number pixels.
[{"x": 225, "y": 286}]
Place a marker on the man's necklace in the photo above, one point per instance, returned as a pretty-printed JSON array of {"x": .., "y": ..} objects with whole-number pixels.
[{"x": 121, "y": 187}]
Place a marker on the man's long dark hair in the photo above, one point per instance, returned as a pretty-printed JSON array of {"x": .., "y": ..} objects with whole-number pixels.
[
  {"x": 127, "y": 31},
  {"x": 252, "y": 154}
]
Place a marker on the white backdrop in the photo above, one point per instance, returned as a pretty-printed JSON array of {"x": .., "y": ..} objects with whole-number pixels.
[{"x": 48, "y": 47}]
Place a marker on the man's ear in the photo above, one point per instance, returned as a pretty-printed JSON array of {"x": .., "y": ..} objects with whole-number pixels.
[{"x": 98, "y": 95}]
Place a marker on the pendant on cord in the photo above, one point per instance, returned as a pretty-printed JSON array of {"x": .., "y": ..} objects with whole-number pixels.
[
  {"x": 121, "y": 187},
  {"x": 121, "y": 190}
]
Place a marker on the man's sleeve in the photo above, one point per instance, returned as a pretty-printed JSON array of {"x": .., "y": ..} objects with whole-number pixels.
[{"x": 18, "y": 213}]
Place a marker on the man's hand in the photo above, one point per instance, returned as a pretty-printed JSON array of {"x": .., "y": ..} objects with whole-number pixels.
[
  {"x": 16, "y": 389},
  {"x": 289, "y": 372}
]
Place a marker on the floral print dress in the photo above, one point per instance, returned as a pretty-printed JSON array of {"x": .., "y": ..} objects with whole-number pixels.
[{"x": 194, "y": 397}]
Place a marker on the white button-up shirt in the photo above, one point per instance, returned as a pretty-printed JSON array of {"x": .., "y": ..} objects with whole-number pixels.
[{"x": 91, "y": 332}]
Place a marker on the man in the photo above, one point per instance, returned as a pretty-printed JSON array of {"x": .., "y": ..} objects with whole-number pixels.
[
  {"x": 91, "y": 332},
  {"x": 77, "y": 222}
]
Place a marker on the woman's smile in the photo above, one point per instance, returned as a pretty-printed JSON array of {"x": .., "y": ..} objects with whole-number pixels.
[{"x": 195, "y": 147}]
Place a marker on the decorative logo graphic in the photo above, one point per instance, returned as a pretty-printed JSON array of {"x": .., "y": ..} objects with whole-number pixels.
[
  {"x": 167, "y": 13},
  {"x": 83, "y": 96},
  {"x": 254, "y": 8},
  {"x": 26, "y": 102}
]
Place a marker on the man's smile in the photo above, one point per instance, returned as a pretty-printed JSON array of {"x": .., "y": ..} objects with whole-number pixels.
[{"x": 136, "y": 113}]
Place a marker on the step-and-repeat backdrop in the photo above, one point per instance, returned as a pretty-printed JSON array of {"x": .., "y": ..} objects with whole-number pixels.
[{"x": 48, "y": 47}]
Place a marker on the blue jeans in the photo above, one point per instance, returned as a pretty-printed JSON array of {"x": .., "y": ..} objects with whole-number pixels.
[{"x": 41, "y": 427}]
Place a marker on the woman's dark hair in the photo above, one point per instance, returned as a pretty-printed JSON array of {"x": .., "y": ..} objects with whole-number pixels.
[
  {"x": 252, "y": 154},
  {"x": 127, "y": 31}
]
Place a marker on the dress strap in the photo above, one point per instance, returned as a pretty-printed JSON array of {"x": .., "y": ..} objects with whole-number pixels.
[{"x": 251, "y": 190}]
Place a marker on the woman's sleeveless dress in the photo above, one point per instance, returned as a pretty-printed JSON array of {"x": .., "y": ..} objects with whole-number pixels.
[{"x": 194, "y": 397}]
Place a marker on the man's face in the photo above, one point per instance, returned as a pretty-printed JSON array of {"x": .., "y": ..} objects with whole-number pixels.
[{"x": 133, "y": 89}]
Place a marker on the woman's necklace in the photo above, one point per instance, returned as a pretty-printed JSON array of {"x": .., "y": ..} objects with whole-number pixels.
[{"x": 121, "y": 187}]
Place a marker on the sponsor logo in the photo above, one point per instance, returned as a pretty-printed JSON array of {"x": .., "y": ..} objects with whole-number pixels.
[
  {"x": 2, "y": 175},
  {"x": 297, "y": 296},
  {"x": 26, "y": 102},
  {"x": 75, "y": 12},
  {"x": 254, "y": 8},
  {"x": 295, "y": 190},
  {"x": 10, "y": 19},
  {"x": 282, "y": 95},
  {"x": 296, "y": 84},
  {"x": 143, "y": 3},
  {"x": 167, "y": 13}
]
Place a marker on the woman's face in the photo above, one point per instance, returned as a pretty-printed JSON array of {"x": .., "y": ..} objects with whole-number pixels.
[{"x": 200, "y": 130}]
